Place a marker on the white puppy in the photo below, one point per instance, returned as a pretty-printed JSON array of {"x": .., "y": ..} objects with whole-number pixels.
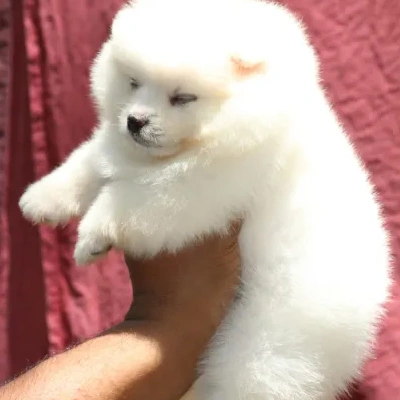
[{"x": 212, "y": 110}]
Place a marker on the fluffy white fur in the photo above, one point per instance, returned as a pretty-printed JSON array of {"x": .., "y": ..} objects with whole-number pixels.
[{"x": 261, "y": 143}]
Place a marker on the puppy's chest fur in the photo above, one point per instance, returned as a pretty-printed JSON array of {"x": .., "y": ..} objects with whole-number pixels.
[{"x": 171, "y": 205}]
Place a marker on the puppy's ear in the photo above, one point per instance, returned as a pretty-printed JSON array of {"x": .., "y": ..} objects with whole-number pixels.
[{"x": 243, "y": 68}]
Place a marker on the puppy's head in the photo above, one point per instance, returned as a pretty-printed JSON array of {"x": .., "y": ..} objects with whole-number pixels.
[{"x": 187, "y": 73}]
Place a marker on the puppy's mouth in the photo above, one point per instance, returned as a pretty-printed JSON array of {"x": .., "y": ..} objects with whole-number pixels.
[
  {"x": 146, "y": 142},
  {"x": 142, "y": 141}
]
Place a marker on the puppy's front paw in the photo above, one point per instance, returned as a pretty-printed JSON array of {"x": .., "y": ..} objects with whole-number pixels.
[
  {"x": 90, "y": 248},
  {"x": 44, "y": 202}
]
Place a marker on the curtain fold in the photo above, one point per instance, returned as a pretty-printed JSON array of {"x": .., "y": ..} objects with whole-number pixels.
[
  {"x": 5, "y": 36},
  {"x": 46, "y": 302},
  {"x": 21, "y": 263}
]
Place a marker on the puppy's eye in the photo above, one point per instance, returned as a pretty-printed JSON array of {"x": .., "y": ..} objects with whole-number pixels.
[
  {"x": 134, "y": 83},
  {"x": 182, "y": 99}
]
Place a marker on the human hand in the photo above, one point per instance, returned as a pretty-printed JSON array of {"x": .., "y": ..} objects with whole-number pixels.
[
  {"x": 185, "y": 296},
  {"x": 180, "y": 301}
]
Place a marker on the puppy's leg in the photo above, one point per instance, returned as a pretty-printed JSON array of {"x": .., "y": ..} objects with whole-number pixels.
[
  {"x": 189, "y": 395},
  {"x": 107, "y": 222},
  {"x": 65, "y": 192},
  {"x": 303, "y": 325}
]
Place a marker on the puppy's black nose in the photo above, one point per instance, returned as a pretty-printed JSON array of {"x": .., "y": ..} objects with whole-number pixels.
[{"x": 135, "y": 124}]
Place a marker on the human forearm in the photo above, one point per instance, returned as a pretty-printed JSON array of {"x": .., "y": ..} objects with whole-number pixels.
[
  {"x": 179, "y": 302},
  {"x": 134, "y": 361}
]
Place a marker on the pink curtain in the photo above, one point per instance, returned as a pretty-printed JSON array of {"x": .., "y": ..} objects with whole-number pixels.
[{"x": 47, "y": 303}]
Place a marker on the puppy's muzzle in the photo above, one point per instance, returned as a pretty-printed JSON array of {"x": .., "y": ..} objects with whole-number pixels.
[
  {"x": 135, "y": 124},
  {"x": 142, "y": 131}
]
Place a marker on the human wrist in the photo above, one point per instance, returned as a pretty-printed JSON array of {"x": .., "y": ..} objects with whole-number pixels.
[
  {"x": 173, "y": 351},
  {"x": 185, "y": 330}
]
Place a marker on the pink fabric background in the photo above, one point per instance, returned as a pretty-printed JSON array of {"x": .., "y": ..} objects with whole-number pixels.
[{"x": 45, "y": 302}]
